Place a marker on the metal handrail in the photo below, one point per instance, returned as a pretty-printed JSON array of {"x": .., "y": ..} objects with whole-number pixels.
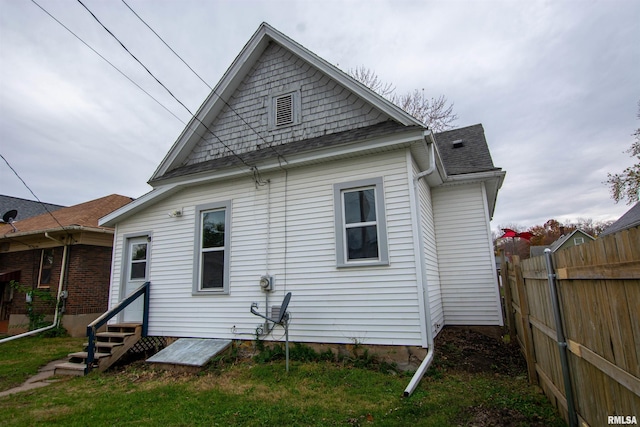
[{"x": 105, "y": 317}]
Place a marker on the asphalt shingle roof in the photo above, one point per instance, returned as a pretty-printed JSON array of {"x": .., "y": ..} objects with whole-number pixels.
[
  {"x": 26, "y": 208},
  {"x": 629, "y": 220},
  {"x": 388, "y": 127},
  {"x": 85, "y": 214},
  {"x": 472, "y": 155}
]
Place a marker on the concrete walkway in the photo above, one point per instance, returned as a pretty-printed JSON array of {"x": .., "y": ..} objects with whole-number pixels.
[{"x": 40, "y": 379}]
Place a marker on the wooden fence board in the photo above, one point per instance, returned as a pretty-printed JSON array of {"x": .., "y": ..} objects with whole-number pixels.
[
  {"x": 599, "y": 293},
  {"x": 632, "y": 296}
]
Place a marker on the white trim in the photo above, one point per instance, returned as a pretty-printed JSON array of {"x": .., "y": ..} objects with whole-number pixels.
[{"x": 492, "y": 254}]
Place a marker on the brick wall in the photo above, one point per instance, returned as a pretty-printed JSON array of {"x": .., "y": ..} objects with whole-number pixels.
[
  {"x": 28, "y": 262},
  {"x": 87, "y": 280}
]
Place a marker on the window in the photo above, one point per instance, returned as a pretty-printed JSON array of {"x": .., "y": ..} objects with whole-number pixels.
[
  {"x": 361, "y": 237},
  {"x": 578, "y": 240},
  {"x": 211, "y": 269},
  {"x": 138, "y": 262},
  {"x": 46, "y": 264}
]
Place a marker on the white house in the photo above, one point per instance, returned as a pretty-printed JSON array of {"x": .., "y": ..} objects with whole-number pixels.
[{"x": 295, "y": 171}]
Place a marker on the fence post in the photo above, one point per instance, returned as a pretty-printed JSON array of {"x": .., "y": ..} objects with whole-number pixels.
[
  {"x": 527, "y": 339},
  {"x": 508, "y": 297}
]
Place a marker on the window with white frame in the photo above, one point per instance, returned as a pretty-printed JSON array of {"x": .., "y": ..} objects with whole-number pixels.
[
  {"x": 211, "y": 269},
  {"x": 361, "y": 237}
]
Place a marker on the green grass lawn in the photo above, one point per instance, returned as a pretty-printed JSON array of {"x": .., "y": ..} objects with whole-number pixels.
[
  {"x": 246, "y": 393},
  {"x": 21, "y": 358}
]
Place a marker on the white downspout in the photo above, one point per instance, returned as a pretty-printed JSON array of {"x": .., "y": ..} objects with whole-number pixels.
[
  {"x": 426, "y": 362},
  {"x": 56, "y": 320}
]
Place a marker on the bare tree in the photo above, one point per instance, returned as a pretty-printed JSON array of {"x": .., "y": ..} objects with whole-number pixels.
[
  {"x": 626, "y": 185},
  {"x": 436, "y": 113}
]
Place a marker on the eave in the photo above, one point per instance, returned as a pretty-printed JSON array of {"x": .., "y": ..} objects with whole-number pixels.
[{"x": 359, "y": 148}]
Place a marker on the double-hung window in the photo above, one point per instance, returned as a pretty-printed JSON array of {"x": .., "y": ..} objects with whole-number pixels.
[
  {"x": 361, "y": 237},
  {"x": 211, "y": 269},
  {"x": 46, "y": 265}
]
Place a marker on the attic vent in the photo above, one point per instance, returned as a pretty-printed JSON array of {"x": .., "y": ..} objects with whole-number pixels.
[
  {"x": 458, "y": 143},
  {"x": 284, "y": 110}
]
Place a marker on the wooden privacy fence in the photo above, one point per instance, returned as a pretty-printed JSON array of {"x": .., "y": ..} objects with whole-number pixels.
[{"x": 598, "y": 287}]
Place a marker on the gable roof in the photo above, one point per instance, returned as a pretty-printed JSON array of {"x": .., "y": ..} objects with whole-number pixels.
[
  {"x": 26, "y": 208},
  {"x": 84, "y": 215},
  {"x": 232, "y": 78},
  {"x": 630, "y": 219},
  {"x": 565, "y": 238},
  {"x": 464, "y": 150}
]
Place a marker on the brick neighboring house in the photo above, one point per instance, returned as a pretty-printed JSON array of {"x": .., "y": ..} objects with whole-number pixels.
[{"x": 65, "y": 247}]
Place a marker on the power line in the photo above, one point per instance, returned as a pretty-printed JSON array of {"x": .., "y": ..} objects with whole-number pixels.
[
  {"x": 107, "y": 61},
  {"x": 205, "y": 82},
  {"x": 32, "y": 193},
  {"x": 165, "y": 87},
  {"x": 121, "y": 72}
]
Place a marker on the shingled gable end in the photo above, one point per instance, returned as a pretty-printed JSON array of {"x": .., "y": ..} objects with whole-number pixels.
[{"x": 342, "y": 198}]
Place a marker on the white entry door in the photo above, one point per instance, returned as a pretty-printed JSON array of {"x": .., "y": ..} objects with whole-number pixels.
[{"x": 136, "y": 273}]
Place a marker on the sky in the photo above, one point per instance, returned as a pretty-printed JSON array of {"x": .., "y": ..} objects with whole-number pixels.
[{"x": 556, "y": 85}]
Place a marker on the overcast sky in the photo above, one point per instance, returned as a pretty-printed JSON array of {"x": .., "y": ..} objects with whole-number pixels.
[{"x": 556, "y": 85}]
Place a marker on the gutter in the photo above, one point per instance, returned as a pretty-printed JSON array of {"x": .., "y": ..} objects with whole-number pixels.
[
  {"x": 426, "y": 362},
  {"x": 56, "y": 317}
]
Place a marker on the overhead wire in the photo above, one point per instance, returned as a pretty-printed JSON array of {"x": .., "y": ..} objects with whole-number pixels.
[
  {"x": 124, "y": 74},
  {"x": 107, "y": 61},
  {"x": 33, "y": 194},
  {"x": 164, "y": 86},
  {"x": 280, "y": 156}
]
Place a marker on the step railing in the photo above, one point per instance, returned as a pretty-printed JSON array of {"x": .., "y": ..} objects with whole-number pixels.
[{"x": 104, "y": 318}]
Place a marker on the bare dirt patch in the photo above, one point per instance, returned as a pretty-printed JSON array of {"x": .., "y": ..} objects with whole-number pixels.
[
  {"x": 463, "y": 349},
  {"x": 466, "y": 350}
]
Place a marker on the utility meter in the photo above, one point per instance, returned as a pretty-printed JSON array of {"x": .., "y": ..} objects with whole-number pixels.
[{"x": 266, "y": 283}]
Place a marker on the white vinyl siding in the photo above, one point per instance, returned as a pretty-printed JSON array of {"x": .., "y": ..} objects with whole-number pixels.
[
  {"x": 430, "y": 254},
  {"x": 465, "y": 256},
  {"x": 369, "y": 305}
]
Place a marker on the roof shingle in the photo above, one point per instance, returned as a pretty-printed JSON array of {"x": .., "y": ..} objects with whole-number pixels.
[
  {"x": 85, "y": 214},
  {"x": 470, "y": 155}
]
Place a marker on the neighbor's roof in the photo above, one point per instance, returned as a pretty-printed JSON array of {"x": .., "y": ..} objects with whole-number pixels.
[
  {"x": 26, "y": 208},
  {"x": 464, "y": 150},
  {"x": 561, "y": 241},
  {"x": 629, "y": 220},
  {"x": 83, "y": 215}
]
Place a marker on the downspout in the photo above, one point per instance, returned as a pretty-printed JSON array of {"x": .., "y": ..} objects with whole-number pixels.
[
  {"x": 56, "y": 319},
  {"x": 428, "y": 359}
]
